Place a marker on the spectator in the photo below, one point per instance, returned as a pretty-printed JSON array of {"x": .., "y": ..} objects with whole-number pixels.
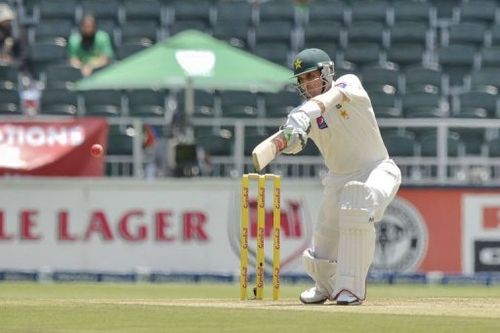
[
  {"x": 90, "y": 48},
  {"x": 11, "y": 50}
]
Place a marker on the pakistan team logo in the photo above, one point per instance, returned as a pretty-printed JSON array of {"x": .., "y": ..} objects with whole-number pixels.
[{"x": 401, "y": 238}]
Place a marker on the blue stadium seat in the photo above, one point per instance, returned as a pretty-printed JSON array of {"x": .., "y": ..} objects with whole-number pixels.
[
  {"x": 369, "y": 11},
  {"x": 62, "y": 102},
  {"x": 149, "y": 10},
  {"x": 102, "y": 10},
  {"x": 477, "y": 11},
  {"x": 415, "y": 11},
  {"x": 239, "y": 104},
  {"x": 62, "y": 76},
  {"x": 10, "y": 102},
  {"x": 146, "y": 103},
  {"x": 366, "y": 32}
]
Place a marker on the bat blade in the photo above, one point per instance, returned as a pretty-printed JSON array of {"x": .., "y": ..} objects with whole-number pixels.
[{"x": 268, "y": 150}]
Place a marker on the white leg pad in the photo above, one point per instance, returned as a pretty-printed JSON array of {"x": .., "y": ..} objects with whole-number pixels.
[
  {"x": 357, "y": 240},
  {"x": 322, "y": 271}
]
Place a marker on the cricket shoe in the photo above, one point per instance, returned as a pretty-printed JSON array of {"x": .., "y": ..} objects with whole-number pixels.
[
  {"x": 346, "y": 298},
  {"x": 313, "y": 295}
]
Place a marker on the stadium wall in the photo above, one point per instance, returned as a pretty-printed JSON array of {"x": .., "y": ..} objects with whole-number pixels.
[{"x": 192, "y": 226}]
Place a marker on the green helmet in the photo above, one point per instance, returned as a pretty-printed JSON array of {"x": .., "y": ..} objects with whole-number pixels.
[{"x": 309, "y": 60}]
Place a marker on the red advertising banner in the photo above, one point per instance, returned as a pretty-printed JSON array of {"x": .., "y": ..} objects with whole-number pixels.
[
  {"x": 52, "y": 147},
  {"x": 451, "y": 230}
]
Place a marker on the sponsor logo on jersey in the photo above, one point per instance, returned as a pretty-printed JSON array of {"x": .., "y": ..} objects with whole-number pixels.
[
  {"x": 320, "y": 121},
  {"x": 401, "y": 238}
]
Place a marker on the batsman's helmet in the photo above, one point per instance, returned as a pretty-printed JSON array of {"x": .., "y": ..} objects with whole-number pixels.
[{"x": 309, "y": 60}]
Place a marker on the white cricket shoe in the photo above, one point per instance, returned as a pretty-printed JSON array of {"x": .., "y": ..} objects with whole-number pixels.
[
  {"x": 346, "y": 298},
  {"x": 313, "y": 295}
]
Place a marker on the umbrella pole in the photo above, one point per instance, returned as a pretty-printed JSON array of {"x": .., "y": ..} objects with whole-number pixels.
[{"x": 189, "y": 111}]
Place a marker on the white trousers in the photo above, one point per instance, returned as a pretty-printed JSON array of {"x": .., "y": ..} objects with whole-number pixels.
[{"x": 383, "y": 178}]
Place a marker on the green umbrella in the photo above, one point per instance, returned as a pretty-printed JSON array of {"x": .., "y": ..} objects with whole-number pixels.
[{"x": 191, "y": 59}]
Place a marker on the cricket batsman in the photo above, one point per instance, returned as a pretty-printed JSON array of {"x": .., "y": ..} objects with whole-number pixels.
[{"x": 362, "y": 180}]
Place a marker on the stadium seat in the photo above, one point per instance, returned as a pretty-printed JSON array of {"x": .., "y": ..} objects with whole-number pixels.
[
  {"x": 428, "y": 144},
  {"x": 385, "y": 105},
  {"x": 322, "y": 32},
  {"x": 362, "y": 53},
  {"x": 273, "y": 31},
  {"x": 216, "y": 144},
  {"x": 495, "y": 35},
  {"x": 55, "y": 31},
  {"x": 148, "y": 10},
  {"x": 102, "y": 10},
  {"x": 494, "y": 147},
  {"x": 139, "y": 31},
  {"x": 485, "y": 79},
  {"x": 146, "y": 103},
  {"x": 106, "y": 103},
  {"x": 423, "y": 105},
  {"x": 400, "y": 143},
  {"x": 477, "y": 104},
  {"x": 276, "y": 11},
  {"x": 327, "y": 11},
  {"x": 44, "y": 54},
  {"x": 490, "y": 57},
  {"x": 366, "y": 32},
  {"x": 380, "y": 78},
  {"x": 61, "y": 76},
  {"x": 10, "y": 102},
  {"x": 204, "y": 103},
  {"x": 477, "y": 11},
  {"x": 127, "y": 49},
  {"x": 276, "y": 52},
  {"x": 56, "y": 9},
  {"x": 405, "y": 54},
  {"x": 457, "y": 60},
  {"x": 424, "y": 79},
  {"x": 238, "y": 104},
  {"x": 472, "y": 138},
  {"x": 181, "y": 10},
  {"x": 444, "y": 8},
  {"x": 278, "y": 105},
  {"x": 200, "y": 25},
  {"x": 235, "y": 33},
  {"x": 119, "y": 143},
  {"x": 234, "y": 11},
  {"x": 467, "y": 33},
  {"x": 369, "y": 11},
  {"x": 409, "y": 32},
  {"x": 9, "y": 77},
  {"x": 416, "y": 11},
  {"x": 61, "y": 102}
]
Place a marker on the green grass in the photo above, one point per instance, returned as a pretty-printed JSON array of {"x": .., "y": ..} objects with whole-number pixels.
[{"x": 31, "y": 307}]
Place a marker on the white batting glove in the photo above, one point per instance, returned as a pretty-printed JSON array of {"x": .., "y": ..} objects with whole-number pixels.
[
  {"x": 296, "y": 128},
  {"x": 298, "y": 120}
]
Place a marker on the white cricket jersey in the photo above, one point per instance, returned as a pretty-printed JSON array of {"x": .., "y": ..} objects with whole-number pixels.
[{"x": 347, "y": 134}]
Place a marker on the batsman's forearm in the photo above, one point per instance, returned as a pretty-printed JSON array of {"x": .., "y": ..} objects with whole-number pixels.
[{"x": 317, "y": 105}]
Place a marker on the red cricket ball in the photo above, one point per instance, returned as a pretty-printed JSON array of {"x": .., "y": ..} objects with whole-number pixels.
[{"x": 96, "y": 150}]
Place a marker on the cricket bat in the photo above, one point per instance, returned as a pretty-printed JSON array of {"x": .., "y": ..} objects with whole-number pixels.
[{"x": 268, "y": 150}]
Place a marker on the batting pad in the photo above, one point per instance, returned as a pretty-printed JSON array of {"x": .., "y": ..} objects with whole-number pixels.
[
  {"x": 357, "y": 239},
  {"x": 356, "y": 250},
  {"x": 322, "y": 271}
]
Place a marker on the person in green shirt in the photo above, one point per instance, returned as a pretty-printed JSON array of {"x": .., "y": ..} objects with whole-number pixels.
[{"x": 89, "y": 48}]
